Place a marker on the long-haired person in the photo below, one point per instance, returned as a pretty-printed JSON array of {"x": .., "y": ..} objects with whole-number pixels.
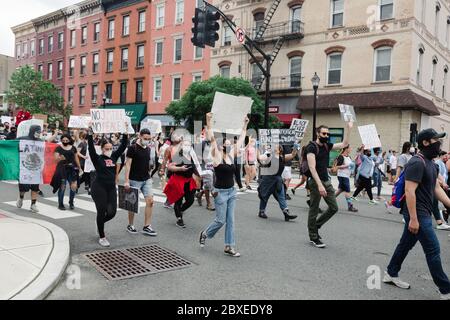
[
  {"x": 104, "y": 186},
  {"x": 365, "y": 174},
  {"x": 225, "y": 193},
  {"x": 345, "y": 167},
  {"x": 250, "y": 162}
]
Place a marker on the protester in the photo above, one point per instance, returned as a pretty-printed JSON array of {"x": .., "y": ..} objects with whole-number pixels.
[
  {"x": 137, "y": 175},
  {"x": 161, "y": 173},
  {"x": 378, "y": 174},
  {"x": 365, "y": 174},
  {"x": 345, "y": 166},
  {"x": 393, "y": 166},
  {"x": 207, "y": 184},
  {"x": 287, "y": 172},
  {"x": 83, "y": 155},
  {"x": 159, "y": 142},
  {"x": 238, "y": 164},
  {"x": 303, "y": 177},
  {"x": 168, "y": 155},
  {"x": 318, "y": 158},
  {"x": 403, "y": 158},
  {"x": 12, "y": 135},
  {"x": 442, "y": 181},
  {"x": 3, "y": 133},
  {"x": 420, "y": 189},
  {"x": 250, "y": 162},
  {"x": 225, "y": 198}
]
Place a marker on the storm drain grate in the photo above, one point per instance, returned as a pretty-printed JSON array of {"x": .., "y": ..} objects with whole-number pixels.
[{"x": 136, "y": 262}]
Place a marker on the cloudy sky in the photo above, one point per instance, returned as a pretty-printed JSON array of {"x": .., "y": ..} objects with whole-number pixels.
[{"x": 14, "y": 12}]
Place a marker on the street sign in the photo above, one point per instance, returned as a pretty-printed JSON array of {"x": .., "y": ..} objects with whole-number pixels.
[
  {"x": 274, "y": 109},
  {"x": 240, "y": 35}
]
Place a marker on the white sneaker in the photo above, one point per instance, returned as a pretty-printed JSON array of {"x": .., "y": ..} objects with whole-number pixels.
[
  {"x": 445, "y": 296},
  {"x": 19, "y": 203},
  {"x": 373, "y": 202},
  {"x": 403, "y": 220},
  {"x": 243, "y": 190},
  {"x": 34, "y": 208},
  {"x": 396, "y": 281},
  {"x": 443, "y": 226},
  {"x": 104, "y": 242}
]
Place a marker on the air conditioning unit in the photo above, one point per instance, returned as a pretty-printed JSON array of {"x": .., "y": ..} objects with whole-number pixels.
[
  {"x": 109, "y": 101},
  {"x": 180, "y": 20},
  {"x": 157, "y": 98}
]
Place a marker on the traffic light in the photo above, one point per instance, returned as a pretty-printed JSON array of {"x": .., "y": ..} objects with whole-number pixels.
[
  {"x": 198, "y": 31},
  {"x": 212, "y": 26}
]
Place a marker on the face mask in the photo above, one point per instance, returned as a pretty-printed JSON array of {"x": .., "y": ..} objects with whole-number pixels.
[
  {"x": 432, "y": 151},
  {"x": 145, "y": 143},
  {"x": 324, "y": 139},
  {"x": 108, "y": 153},
  {"x": 65, "y": 144},
  {"x": 369, "y": 154},
  {"x": 37, "y": 135},
  {"x": 2, "y": 129}
]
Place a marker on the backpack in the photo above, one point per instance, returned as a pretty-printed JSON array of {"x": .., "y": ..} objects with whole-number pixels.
[
  {"x": 304, "y": 167},
  {"x": 398, "y": 191},
  {"x": 334, "y": 168}
]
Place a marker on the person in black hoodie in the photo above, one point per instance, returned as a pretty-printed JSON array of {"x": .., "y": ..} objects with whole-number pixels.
[
  {"x": 103, "y": 188},
  {"x": 34, "y": 134}
]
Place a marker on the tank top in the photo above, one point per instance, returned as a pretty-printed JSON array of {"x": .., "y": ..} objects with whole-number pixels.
[{"x": 224, "y": 176}]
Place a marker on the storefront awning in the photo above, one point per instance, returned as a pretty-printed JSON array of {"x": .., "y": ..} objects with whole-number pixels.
[
  {"x": 287, "y": 118},
  {"x": 166, "y": 120},
  {"x": 135, "y": 111}
]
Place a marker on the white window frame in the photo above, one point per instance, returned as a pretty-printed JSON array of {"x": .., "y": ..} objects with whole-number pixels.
[
  {"x": 25, "y": 49},
  {"x": 82, "y": 96},
  {"x": 126, "y": 26},
  {"x": 436, "y": 21},
  {"x": 84, "y": 35},
  {"x": 379, "y": 10},
  {"x": 160, "y": 9},
  {"x": 173, "y": 87},
  {"x": 73, "y": 38},
  {"x": 122, "y": 56},
  {"x": 111, "y": 29},
  {"x": 375, "y": 64},
  {"x": 156, "y": 52},
  {"x": 18, "y": 51},
  {"x": 41, "y": 48},
  {"x": 175, "y": 49},
  {"x": 156, "y": 98},
  {"x": 179, "y": 11},
  {"x": 61, "y": 36},
  {"x": 50, "y": 71},
  {"x": 328, "y": 68},
  {"x": 94, "y": 96},
  {"x": 97, "y": 24},
  {"x": 301, "y": 65},
  {"x": 142, "y": 21},
  {"x": 108, "y": 61},
  {"x": 333, "y": 13},
  {"x": 70, "y": 95},
  {"x": 419, "y": 72},
  {"x": 138, "y": 47},
  {"x": 95, "y": 62},
  {"x": 227, "y": 32},
  {"x": 71, "y": 67},
  {"x": 291, "y": 15},
  {"x": 51, "y": 42},
  {"x": 195, "y": 75},
  {"x": 60, "y": 69},
  {"x": 33, "y": 47},
  {"x": 83, "y": 65}
]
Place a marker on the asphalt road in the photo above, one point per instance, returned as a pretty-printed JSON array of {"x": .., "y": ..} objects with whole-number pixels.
[{"x": 277, "y": 260}]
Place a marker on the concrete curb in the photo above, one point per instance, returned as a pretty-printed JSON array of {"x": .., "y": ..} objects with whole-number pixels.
[{"x": 55, "y": 266}]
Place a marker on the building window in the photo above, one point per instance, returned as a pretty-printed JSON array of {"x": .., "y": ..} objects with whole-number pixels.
[
  {"x": 433, "y": 74},
  {"x": 296, "y": 19},
  {"x": 383, "y": 64},
  {"x": 83, "y": 61},
  {"x": 123, "y": 92},
  {"x": 419, "y": 66},
  {"x": 386, "y": 9},
  {"x": 97, "y": 32},
  {"x": 225, "y": 72},
  {"x": 176, "y": 89},
  {"x": 257, "y": 74},
  {"x": 227, "y": 35},
  {"x": 82, "y": 95},
  {"x": 334, "y": 68},
  {"x": 108, "y": 91},
  {"x": 60, "y": 69},
  {"x": 50, "y": 44},
  {"x": 198, "y": 53},
  {"x": 295, "y": 71},
  {"x": 84, "y": 34},
  {"x": 71, "y": 67},
  {"x": 33, "y": 48},
  {"x": 259, "y": 21},
  {"x": 159, "y": 52},
  {"x": 41, "y": 46},
  {"x": 94, "y": 91},
  {"x": 124, "y": 63},
  {"x": 41, "y": 69},
  {"x": 126, "y": 26},
  {"x": 197, "y": 78},
  {"x": 160, "y": 12},
  {"x": 436, "y": 20},
  {"x": 337, "y": 13},
  {"x": 178, "y": 50},
  {"x": 141, "y": 27},
  {"x": 61, "y": 41},
  {"x": 111, "y": 29},
  {"x": 179, "y": 11},
  {"x": 444, "y": 84},
  {"x": 50, "y": 71},
  {"x": 447, "y": 32},
  {"x": 71, "y": 91},
  {"x": 18, "y": 50},
  {"x": 157, "y": 90},
  {"x": 73, "y": 38},
  {"x": 109, "y": 61},
  {"x": 95, "y": 62},
  {"x": 140, "y": 56},
  {"x": 139, "y": 90}
]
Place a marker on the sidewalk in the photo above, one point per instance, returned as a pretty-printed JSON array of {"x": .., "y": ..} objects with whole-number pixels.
[{"x": 33, "y": 257}]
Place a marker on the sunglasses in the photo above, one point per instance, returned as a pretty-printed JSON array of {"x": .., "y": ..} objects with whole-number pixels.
[{"x": 325, "y": 134}]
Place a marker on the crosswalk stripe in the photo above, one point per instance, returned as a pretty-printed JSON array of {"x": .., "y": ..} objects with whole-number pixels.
[
  {"x": 11, "y": 182},
  {"x": 47, "y": 210},
  {"x": 79, "y": 204}
]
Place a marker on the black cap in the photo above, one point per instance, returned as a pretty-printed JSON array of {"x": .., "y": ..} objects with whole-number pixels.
[{"x": 429, "y": 134}]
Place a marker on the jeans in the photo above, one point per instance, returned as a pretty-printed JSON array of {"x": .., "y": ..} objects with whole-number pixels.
[
  {"x": 364, "y": 183},
  {"x": 315, "y": 224},
  {"x": 430, "y": 246},
  {"x": 225, "y": 203},
  {"x": 278, "y": 194},
  {"x": 377, "y": 181},
  {"x": 71, "y": 177}
]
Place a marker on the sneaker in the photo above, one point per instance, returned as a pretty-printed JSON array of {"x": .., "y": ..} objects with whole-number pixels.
[
  {"x": 243, "y": 190},
  {"x": 373, "y": 202},
  {"x": 62, "y": 208},
  {"x": 443, "y": 226},
  {"x": 288, "y": 197},
  {"x": 149, "y": 231},
  {"x": 287, "y": 216},
  {"x": 293, "y": 191},
  {"x": 19, "y": 203},
  {"x": 71, "y": 206},
  {"x": 232, "y": 253},
  {"x": 318, "y": 243},
  {"x": 104, "y": 242},
  {"x": 203, "y": 238},
  {"x": 210, "y": 208},
  {"x": 180, "y": 223},
  {"x": 395, "y": 281},
  {"x": 262, "y": 215},
  {"x": 445, "y": 296},
  {"x": 132, "y": 229},
  {"x": 167, "y": 206},
  {"x": 354, "y": 199},
  {"x": 352, "y": 209},
  {"x": 34, "y": 208}
]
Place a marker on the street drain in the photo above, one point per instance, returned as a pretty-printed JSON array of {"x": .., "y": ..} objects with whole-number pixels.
[{"x": 136, "y": 262}]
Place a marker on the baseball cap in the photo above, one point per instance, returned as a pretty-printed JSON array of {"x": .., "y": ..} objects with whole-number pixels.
[{"x": 429, "y": 134}]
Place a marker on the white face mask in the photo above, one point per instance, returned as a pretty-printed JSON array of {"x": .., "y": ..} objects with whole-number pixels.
[
  {"x": 145, "y": 143},
  {"x": 37, "y": 135},
  {"x": 108, "y": 153}
]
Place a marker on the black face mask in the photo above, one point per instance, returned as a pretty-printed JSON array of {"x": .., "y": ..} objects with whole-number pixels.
[
  {"x": 65, "y": 144},
  {"x": 432, "y": 151},
  {"x": 324, "y": 139}
]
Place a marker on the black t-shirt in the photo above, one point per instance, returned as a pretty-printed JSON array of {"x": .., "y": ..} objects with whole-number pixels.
[
  {"x": 322, "y": 159},
  {"x": 140, "y": 166},
  {"x": 340, "y": 160},
  {"x": 68, "y": 154},
  {"x": 425, "y": 175},
  {"x": 288, "y": 150}
]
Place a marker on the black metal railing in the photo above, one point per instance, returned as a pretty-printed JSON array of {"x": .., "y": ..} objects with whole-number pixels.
[
  {"x": 291, "y": 29},
  {"x": 290, "y": 82}
]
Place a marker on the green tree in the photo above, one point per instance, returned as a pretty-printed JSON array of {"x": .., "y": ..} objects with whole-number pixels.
[
  {"x": 198, "y": 101},
  {"x": 28, "y": 90}
]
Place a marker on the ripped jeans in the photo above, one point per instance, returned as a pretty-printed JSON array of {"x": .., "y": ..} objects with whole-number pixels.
[{"x": 72, "y": 176}]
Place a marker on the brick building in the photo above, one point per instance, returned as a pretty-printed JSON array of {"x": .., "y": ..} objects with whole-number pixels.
[{"x": 25, "y": 45}]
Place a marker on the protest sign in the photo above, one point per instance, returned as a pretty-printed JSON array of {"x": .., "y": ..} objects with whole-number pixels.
[
  {"x": 50, "y": 162},
  {"x": 23, "y": 129},
  {"x": 155, "y": 126},
  {"x": 79, "y": 122},
  {"x": 42, "y": 117},
  {"x": 9, "y": 160},
  {"x": 369, "y": 136},
  {"x": 229, "y": 113},
  {"x": 269, "y": 137},
  {"x": 347, "y": 113},
  {"x": 108, "y": 120},
  {"x": 299, "y": 126},
  {"x": 129, "y": 199},
  {"x": 88, "y": 165},
  {"x": 31, "y": 155},
  {"x": 130, "y": 129},
  {"x": 7, "y": 119}
]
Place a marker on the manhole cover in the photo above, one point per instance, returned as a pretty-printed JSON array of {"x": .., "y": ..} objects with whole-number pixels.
[{"x": 136, "y": 262}]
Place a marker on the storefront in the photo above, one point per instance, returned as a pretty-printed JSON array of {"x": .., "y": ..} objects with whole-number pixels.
[{"x": 135, "y": 111}]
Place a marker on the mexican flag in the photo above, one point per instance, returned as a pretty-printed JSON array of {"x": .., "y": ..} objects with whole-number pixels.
[{"x": 9, "y": 160}]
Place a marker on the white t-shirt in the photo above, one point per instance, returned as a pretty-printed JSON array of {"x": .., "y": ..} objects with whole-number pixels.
[
  {"x": 393, "y": 162},
  {"x": 345, "y": 173}
]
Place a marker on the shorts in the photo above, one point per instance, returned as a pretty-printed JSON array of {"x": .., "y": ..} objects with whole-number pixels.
[
  {"x": 393, "y": 172},
  {"x": 208, "y": 180},
  {"x": 344, "y": 184},
  {"x": 28, "y": 187},
  {"x": 287, "y": 173},
  {"x": 251, "y": 163},
  {"x": 144, "y": 186}
]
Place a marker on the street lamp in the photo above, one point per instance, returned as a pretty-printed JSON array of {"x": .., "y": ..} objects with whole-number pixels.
[{"x": 315, "y": 82}]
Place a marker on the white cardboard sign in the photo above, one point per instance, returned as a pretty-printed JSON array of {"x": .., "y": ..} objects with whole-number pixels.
[
  {"x": 79, "y": 122},
  {"x": 23, "y": 129},
  {"x": 347, "y": 113},
  {"x": 7, "y": 119},
  {"x": 299, "y": 126},
  {"x": 229, "y": 113},
  {"x": 108, "y": 120},
  {"x": 31, "y": 161},
  {"x": 369, "y": 136},
  {"x": 155, "y": 126}
]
